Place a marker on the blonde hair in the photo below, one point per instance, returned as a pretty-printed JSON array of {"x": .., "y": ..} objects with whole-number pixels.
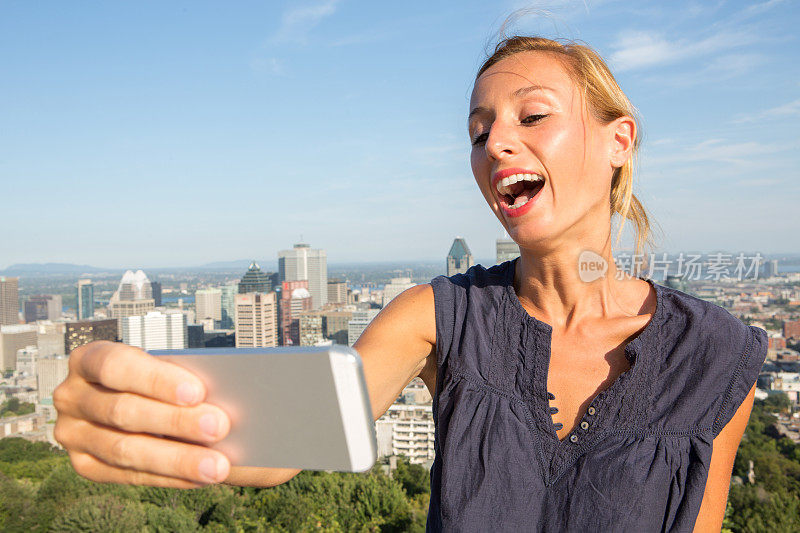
[{"x": 606, "y": 101}]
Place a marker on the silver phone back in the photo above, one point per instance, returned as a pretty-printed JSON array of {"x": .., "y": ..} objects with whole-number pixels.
[{"x": 290, "y": 407}]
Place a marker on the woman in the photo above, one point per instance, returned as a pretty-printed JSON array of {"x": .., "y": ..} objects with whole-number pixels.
[{"x": 561, "y": 402}]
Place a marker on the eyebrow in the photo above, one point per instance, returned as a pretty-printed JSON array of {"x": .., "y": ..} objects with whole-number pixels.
[{"x": 519, "y": 93}]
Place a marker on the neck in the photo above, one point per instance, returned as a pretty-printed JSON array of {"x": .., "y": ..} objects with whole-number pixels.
[{"x": 550, "y": 286}]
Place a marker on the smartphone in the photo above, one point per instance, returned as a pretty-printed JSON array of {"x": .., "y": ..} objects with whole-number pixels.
[{"x": 290, "y": 407}]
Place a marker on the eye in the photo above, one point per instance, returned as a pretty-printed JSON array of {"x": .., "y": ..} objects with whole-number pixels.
[
  {"x": 480, "y": 139},
  {"x": 532, "y": 119}
]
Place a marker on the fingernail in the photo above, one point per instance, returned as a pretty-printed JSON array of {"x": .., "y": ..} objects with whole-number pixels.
[
  {"x": 209, "y": 424},
  {"x": 188, "y": 393},
  {"x": 208, "y": 468}
]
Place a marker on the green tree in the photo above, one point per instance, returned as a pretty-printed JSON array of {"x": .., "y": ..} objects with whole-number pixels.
[
  {"x": 357, "y": 502},
  {"x": 415, "y": 479},
  {"x": 102, "y": 512},
  {"x": 17, "y": 510},
  {"x": 13, "y": 407}
]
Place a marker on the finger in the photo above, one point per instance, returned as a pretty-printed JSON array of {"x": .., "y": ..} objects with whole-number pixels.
[
  {"x": 126, "y": 368},
  {"x": 137, "y": 414},
  {"x": 146, "y": 453},
  {"x": 96, "y": 470}
]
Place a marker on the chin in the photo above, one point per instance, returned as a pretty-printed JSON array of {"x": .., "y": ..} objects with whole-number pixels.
[{"x": 529, "y": 237}]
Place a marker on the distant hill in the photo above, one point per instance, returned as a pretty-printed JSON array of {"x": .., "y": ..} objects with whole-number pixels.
[{"x": 51, "y": 268}]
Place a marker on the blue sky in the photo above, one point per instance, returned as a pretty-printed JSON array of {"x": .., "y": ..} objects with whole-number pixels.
[{"x": 145, "y": 134}]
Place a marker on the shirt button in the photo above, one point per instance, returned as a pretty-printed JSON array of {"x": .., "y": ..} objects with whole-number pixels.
[
  {"x": 584, "y": 425},
  {"x": 591, "y": 410},
  {"x": 573, "y": 438}
]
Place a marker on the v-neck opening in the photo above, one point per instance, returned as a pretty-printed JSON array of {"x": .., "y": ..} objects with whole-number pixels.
[{"x": 542, "y": 338}]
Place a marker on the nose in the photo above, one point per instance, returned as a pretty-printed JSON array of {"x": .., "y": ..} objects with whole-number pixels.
[{"x": 502, "y": 141}]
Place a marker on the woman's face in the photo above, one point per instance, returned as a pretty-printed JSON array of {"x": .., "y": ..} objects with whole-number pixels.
[{"x": 528, "y": 122}]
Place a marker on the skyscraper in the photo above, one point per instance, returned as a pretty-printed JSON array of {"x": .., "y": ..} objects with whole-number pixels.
[
  {"x": 51, "y": 371},
  {"x": 305, "y": 263},
  {"x": 337, "y": 291},
  {"x": 460, "y": 258},
  {"x": 771, "y": 268},
  {"x": 85, "y": 303},
  {"x": 156, "y": 287},
  {"x": 134, "y": 297},
  {"x": 506, "y": 249},
  {"x": 42, "y": 307},
  {"x": 85, "y": 331},
  {"x": 9, "y": 300},
  {"x": 359, "y": 322},
  {"x": 228, "y": 304},
  {"x": 254, "y": 280},
  {"x": 295, "y": 299},
  {"x": 12, "y": 338},
  {"x": 155, "y": 331},
  {"x": 134, "y": 286},
  {"x": 256, "y": 320},
  {"x": 208, "y": 305},
  {"x": 310, "y": 325}
]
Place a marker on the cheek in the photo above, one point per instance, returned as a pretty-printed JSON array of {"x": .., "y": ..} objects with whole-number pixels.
[{"x": 478, "y": 162}]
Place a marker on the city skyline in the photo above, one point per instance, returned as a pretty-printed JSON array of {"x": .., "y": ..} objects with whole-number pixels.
[{"x": 370, "y": 123}]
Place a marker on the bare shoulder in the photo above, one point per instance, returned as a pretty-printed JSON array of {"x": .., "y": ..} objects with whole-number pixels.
[
  {"x": 412, "y": 311},
  {"x": 397, "y": 345}
]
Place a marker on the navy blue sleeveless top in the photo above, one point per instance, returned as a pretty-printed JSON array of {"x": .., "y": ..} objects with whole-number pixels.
[{"x": 637, "y": 461}]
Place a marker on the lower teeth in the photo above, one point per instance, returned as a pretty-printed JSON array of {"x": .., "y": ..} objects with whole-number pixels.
[{"x": 517, "y": 206}]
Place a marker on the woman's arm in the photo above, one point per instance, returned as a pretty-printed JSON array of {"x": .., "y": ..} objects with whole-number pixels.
[
  {"x": 715, "y": 497},
  {"x": 119, "y": 403},
  {"x": 394, "y": 349}
]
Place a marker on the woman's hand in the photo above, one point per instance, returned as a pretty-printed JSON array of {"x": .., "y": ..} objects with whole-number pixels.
[{"x": 120, "y": 411}]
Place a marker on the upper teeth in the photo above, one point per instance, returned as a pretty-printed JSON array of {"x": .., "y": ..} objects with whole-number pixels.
[{"x": 504, "y": 184}]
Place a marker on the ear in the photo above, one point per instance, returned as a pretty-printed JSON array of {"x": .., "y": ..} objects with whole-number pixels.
[{"x": 624, "y": 134}]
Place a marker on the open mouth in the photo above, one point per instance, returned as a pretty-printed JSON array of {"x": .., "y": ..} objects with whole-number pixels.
[{"x": 517, "y": 190}]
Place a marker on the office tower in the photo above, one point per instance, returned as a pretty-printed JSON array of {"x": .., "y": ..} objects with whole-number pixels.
[
  {"x": 42, "y": 307},
  {"x": 228, "y": 304},
  {"x": 156, "y": 288},
  {"x": 254, "y": 280},
  {"x": 12, "y": 338},
  {"x": 337, "y": 291},
  {"x": 134, "y": 286},
  {"x": 359, "y": 322},
  {"x": 208, "y": 305},
  {"x": 9, "y": 300},
  {"x": 85, "y": 299},
  {"x": 310, "y": 328},
  {"x": 305, "y": 263},
  {"x": 334, "y": 325},
  {"x": 50, "y": 372},
  {"x": 85, "y": 331},
  {"x": 394, "y": 288},
  {"x": 26, "y": 360},
  {"x": 460, "y": 258},
  {"x": 50, "y": 338},
  {"x": 195, "y": 336},
  {"x": 155, "y": 331},
  {"x": 256, "y": 320},
  {"x": 771, "y": 268},
  {"x": 295, "y": 299},
  {"x": 134, "y": 297},
  {"x": 506, "y": 249},
  {"x": 122, "y": 308}
]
